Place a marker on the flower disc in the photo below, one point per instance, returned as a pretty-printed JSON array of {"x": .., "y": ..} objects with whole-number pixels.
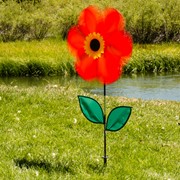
[{"x": 94, "y": 45}]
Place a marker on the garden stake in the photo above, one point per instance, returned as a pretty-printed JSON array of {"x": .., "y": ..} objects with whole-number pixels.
[
  {"x": 101, "y": 47},
  {"x": 105, "y": 156}
]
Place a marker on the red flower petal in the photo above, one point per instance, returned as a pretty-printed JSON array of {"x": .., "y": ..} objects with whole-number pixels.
[
  {"x": 120, "y": 42},
  {"x": 109, "y": 68},
  {"x": 113, "y": 21},
  {"x": 89, "y": 19},
  {"x": 75, "y": 41},
  {"x": 86, "y": 67}
]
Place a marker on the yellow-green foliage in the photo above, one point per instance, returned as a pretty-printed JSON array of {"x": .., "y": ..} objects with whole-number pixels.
[
  {"x": 147, "y": 21},
  {"x": 51, "y": 57},
  {"x": 35, "y": 59},
  {"x": 154, "y": 59}
]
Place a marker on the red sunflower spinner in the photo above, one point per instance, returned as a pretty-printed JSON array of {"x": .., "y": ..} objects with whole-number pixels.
[{"x": 100, "y": 44}]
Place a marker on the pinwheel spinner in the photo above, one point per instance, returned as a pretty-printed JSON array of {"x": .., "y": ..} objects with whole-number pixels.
[{"x": 101, "y": 48}]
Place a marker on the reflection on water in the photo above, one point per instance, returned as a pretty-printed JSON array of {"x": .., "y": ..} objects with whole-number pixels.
[
  {"x": 35, "y": 81},
  {"x": 166, "y": 87}
]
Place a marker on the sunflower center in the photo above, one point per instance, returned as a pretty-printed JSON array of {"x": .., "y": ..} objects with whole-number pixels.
[{"x": 94, "y": 44}]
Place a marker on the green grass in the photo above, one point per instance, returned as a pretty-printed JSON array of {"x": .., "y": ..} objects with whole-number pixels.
[
  {"x": 45, "y": 136},
  {"x": 35, "y": 58},
  {"x": 154, "y": 58},
  {"x": 51, "y": 57}
]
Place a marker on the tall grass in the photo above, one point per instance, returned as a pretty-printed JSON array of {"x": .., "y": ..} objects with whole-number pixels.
[
  {"x": 51, "y": 57},
  {"x": 148, "y": 21},
  {"x": 35, "y": 59},
  {"x": 160, "y": 58}
]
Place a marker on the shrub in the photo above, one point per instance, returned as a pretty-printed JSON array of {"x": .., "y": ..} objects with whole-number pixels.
[
  {"x": 65, "y": 17},
  {"x": 39, "y": 26},
  {"x": 13, "y": 32},
  {"x": 13, "y": 23},
  {"x": 152, "y": 21},
  {"x": 148, "y": 21},
  {"x": 22, "y": 21}
]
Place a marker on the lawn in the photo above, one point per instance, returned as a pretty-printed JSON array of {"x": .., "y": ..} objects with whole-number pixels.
[{"x": 45, "y": 136}]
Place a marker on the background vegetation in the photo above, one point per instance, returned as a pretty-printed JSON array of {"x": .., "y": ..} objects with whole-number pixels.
[
  {"x": 148, "y": 21},
  {"x": 51, "y": 57}
]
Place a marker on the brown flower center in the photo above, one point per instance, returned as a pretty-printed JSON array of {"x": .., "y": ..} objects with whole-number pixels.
[{"x": 94, "y": 45}]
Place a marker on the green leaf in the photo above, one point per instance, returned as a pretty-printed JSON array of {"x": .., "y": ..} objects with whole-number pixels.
[
  {"x": 91, "y": 109},
  {"x": 118, "y": 118}
]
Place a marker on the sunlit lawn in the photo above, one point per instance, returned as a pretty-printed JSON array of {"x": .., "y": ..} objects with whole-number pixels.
[{"x": 45, "y": 136}]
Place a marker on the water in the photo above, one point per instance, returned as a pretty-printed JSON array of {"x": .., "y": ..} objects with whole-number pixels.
[{"x": 164, "y": 87}]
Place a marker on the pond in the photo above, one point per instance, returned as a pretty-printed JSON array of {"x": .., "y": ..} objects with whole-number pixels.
[{"x": 162, "y": 87}]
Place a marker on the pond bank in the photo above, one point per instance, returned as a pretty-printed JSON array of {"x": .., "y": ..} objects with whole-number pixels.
[{"x": 51, "y": 58}]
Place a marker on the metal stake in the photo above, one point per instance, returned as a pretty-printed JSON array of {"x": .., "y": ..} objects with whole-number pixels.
[{"x": 105, "y": 157}]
